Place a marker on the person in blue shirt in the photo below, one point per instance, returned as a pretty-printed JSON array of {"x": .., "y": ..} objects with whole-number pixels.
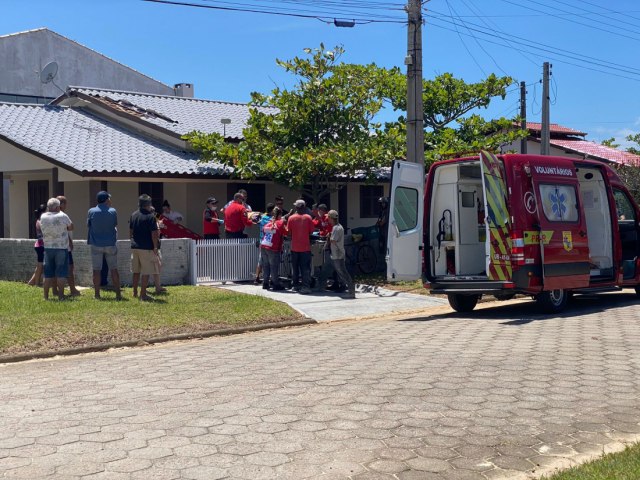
[{"x": 102, "y": 225}]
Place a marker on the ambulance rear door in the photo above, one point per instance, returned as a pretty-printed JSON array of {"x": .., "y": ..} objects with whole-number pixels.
[
  {"x": 565, "y": 253},
  {"x": 405, "y": 241}
]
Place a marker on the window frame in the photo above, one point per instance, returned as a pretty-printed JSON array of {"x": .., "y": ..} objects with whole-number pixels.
[{"x": 396, "y": 217}]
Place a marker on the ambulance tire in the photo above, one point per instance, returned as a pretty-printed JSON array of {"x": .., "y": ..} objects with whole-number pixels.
[
  {"x": 638, "y": 290},
  {"x": 552, "y": 301},
  {"x": 463, "y": 303}
]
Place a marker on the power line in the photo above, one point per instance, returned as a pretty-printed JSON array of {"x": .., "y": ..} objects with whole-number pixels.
[
  {"x": 541, "y": 46},
  {"x": 318, "y": 16},
  {"x": 572, "y": 21},
  {"x": 465, "y": 45}
]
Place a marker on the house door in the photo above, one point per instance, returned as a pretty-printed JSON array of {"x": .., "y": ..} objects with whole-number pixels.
[
  {"x": 155, "y": 190},
  {"x": 565, "y": 257},
  {"x": 38, "y": 194}
]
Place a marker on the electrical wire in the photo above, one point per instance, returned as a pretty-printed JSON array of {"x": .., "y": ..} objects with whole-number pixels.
[
  {"x": 451, "y": 9},
  {"x": 571, "y": 20},
  {"x": 318, "y": 16},
  {"x": 465, "y": 45},
  {"x": 537, "y": 46}
]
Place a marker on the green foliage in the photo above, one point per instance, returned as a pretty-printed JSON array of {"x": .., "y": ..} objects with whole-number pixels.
[
  {"x": 623, "y": 465},
  {"x": 610, "y": 142},
  {"x": 324, "y": 131},
  {"x": 635, "y": 138}
]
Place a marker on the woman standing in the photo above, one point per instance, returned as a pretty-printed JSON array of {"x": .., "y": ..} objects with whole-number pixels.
[
  {"x": 271, "y": 248},
  {"x": 39, "y": 248}
]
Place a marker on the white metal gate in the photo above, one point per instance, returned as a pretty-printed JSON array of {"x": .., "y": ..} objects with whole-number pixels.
[{"x": 226, "y": 260}]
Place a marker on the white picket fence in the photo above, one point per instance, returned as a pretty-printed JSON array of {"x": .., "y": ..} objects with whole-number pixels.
[
  {"x": 226, "y": 260},
  {"x": 235, "y": 259}
]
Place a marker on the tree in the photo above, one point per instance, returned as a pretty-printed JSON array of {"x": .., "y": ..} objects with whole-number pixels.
[
  {"x": 323, "y": 132},
  {"x": 635, "y": 138},
  {"x": 447, "y": 101},
  {"x": 610, "y": 142}
]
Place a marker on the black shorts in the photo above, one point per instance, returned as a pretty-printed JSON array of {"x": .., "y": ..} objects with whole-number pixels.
[
  {"x": 70, "y": 258},
  {"x": 39, "y": 253}
]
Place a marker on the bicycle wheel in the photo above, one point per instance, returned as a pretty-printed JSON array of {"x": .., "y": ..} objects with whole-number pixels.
[{"x": 367, "y": 259}]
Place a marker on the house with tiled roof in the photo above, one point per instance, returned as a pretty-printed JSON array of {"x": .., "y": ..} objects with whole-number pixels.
[
  {"x": 130, "y": 143},
  {"x": 120, "y": 131},
  {"x": 568, "y": 142}
]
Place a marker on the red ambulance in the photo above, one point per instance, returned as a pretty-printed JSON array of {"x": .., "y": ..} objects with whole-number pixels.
[{"x": 500, "y": 225}]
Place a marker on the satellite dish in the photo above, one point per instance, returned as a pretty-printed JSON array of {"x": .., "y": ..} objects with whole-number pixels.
[{"x": 49, "y": 72}]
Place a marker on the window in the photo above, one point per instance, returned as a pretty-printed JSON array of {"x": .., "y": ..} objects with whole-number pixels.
[
  {"x": 369, "y": 195},
  {"x": 624, "y": 207},
  {"x": 405, "y": 208},
  {"x": 559, "y": 203}
]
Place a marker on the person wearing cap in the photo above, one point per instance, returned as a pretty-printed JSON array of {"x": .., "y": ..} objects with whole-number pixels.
[
  {"x": 211, "y": 220},
  {"x": 235, "y": 218},
  {"x": 102, "y": 227},
  {"x": 145, "y": 244},
  {"x": 337, "y": 263},
  {"x": 300, "y": 227}
]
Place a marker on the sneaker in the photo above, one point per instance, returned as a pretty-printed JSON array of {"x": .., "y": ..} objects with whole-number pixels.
[
  {"x": 257, "y": 281},
  {"x": 265, "y": 286}
]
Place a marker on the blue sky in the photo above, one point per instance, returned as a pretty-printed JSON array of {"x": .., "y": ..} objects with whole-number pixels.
[{"x": 229, "y": 54}]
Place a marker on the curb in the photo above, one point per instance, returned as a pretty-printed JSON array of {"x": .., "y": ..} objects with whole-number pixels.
[{"x": 149, "y": 341}]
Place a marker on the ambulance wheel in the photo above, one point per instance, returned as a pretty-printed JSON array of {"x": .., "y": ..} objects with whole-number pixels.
[
  {"x": 553, "y": 301},
  {"x": 638, "y": 290},
  {"x": 463, "y": 303}
]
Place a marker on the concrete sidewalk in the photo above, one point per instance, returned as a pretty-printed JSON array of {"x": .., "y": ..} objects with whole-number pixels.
[{"x": 328, "y": 306}]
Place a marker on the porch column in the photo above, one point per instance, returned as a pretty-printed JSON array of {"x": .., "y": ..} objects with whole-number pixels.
[
  {"x": 3, "y": 204},
  {"x": 56, "y": 187}
]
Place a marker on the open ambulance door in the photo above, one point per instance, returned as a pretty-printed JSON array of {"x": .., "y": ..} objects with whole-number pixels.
[
  {"x": 405, "y": 241},
  {"x": 498, "y": 264}
]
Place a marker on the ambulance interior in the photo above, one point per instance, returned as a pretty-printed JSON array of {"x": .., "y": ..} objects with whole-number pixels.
[
  {"x": 457, "y": 229},
  {"x": 595, "y": 201}
]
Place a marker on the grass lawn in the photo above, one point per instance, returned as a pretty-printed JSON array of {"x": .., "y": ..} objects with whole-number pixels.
[
  {"x": 28, "y": 323},
  {"x": 623, "y": 465}
]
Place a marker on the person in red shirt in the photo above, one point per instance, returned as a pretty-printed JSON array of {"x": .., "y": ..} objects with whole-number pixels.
[
  {"x": 235, "y": 218},
  {"x": 210, "y": 220},
  {"x": 274, "y": 232},
  {"x": 300, "y": 227},
  {"x": 322, "y": 222}
]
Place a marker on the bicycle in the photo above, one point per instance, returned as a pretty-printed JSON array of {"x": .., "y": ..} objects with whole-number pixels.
[{"x": 360, "y": 258}]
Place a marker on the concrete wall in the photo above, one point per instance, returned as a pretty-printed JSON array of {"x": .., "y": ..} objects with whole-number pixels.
[
  {"x": 18, "y": 260},
  {"x": 23, "y": 56}
]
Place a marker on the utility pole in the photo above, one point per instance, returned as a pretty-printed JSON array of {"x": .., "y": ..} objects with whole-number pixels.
[
  {"x": 545, "y": 140},
  {"x": 523, "y": 115},
  {"x": 413, "y": 61}
]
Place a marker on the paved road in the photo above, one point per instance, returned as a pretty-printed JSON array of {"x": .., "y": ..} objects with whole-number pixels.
[
  {"x": 500, "y": 393},
  {"x": 327, "y": 306}
]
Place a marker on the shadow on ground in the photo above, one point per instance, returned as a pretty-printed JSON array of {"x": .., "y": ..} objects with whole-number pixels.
[{"x": 527, "y": 312}]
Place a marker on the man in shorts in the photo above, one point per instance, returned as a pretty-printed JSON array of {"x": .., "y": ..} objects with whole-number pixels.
[
  {"x": 55, "y": 226},
  {"x": 145, "y": 243},
  {"x": 102, "y": 225}
]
